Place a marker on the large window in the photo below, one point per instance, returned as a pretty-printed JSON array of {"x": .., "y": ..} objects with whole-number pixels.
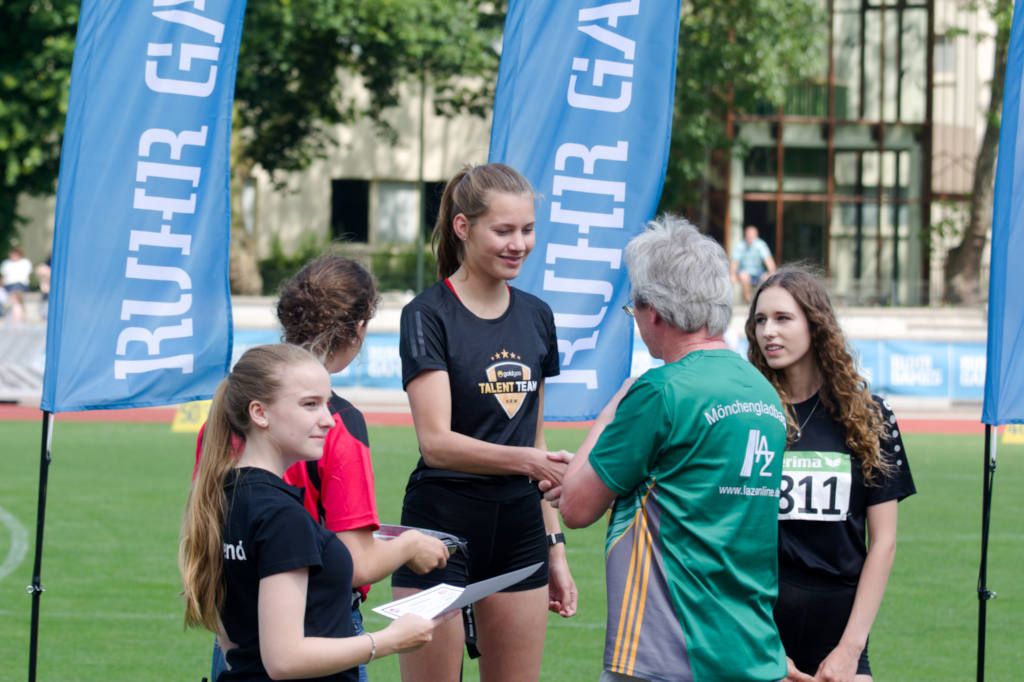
[
  {"x": 350, "y": 210},
  {"x": 803, "y": 232},
  {"x": 760, "y": 161},
  {"x": 805, "y": 161},
  {"x": 431, "y": 205},
  {"x": 797, "y": 161},
  {"x": 945, "y": 56},
  {"x": 398, "y": 212}
]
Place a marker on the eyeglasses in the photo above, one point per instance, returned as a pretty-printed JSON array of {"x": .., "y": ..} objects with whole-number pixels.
[{"x": 628, "y": 309}]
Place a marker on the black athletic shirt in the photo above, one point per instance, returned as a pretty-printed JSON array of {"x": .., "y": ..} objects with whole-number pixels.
[
  {"x": 495, "y": 367},
  {"x": 267, "y": 531},
  {"x": 832, "y": 547}
]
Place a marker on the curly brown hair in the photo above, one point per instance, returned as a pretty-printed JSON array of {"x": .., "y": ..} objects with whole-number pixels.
[
  {"x": 844, "y": 392},
  {"x": 321, "y": 307}
]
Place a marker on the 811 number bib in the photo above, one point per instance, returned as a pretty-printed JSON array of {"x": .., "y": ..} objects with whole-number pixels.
[{"x": 815, "y": 486}]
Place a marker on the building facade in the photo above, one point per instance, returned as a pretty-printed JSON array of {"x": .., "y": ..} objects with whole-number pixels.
[
  {"x": 850, "y": 174},
  {"x": 858, "y": 165}
]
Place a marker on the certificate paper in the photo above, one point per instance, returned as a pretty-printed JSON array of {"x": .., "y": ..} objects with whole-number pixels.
[
  {"x": 444, "y": 597},
  {"x": 426, "y": 604}
]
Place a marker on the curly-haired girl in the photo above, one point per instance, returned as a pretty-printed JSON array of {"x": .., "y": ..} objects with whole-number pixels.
[
  {"x": 844, "y": 471},
  {"x": 325, "y": 309}
]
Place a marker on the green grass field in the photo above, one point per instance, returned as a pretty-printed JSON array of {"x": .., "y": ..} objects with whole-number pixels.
[{"x": 111, "y": 611}]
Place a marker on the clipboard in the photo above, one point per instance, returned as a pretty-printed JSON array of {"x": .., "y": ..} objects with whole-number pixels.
[{"x": 388, "y": 531}]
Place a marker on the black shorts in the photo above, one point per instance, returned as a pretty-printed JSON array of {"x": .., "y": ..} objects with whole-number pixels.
[
  {"x": 811, "y": 615},
  {"x": 502, "y": 535}
]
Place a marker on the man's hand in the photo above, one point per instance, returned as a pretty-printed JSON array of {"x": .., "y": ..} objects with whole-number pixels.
[
  {"x": 552, "y": 492},
  {"x": 794, "y": 675}
]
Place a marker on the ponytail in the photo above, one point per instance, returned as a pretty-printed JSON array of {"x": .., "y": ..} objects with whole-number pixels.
[
  {"x": 467, "y": 193},
  {"x": 200, "y": 555}
]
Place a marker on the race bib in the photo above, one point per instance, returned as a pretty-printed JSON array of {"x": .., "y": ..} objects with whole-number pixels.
[{"x": 815, "y": 486}]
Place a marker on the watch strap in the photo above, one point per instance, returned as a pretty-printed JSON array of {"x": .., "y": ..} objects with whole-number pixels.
[{"x": 556, "y": 538}]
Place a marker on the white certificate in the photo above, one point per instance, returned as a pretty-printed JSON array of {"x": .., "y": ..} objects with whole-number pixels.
[
  {"x": 426, "y": 604},
  {"x": 444, "y": 597}
]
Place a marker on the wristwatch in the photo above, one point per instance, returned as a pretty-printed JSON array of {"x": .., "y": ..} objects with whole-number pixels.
[{"x": 555, "y": 538}]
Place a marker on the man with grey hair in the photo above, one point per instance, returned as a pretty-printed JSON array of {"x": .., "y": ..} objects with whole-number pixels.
[{"x": 691, "y": 456}]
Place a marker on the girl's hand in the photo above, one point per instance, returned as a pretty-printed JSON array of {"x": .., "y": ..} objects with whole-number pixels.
[
  {"x": 407, "y": 633},
  {"x": 562, "y": 594},
  {"x": 428, "y": 553},
  {"x": 548, "y": 466},
  {"x": 553, "y": 489},
  {"x": 840, "y": 665}
]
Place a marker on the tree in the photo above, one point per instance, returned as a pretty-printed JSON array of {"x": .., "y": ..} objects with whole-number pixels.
[
  {"x": 962, "y": 275},
  {"x": 37, "y": 40},
  {"x": 738, "y": 54},
  {"x": 287, "y": 94}
]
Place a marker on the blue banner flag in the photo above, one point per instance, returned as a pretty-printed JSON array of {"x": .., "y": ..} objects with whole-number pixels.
[
  {"x": 140, "y": 310},
  {"x": 584, "y": 110},
  {"x": 1004, "y": 369}
]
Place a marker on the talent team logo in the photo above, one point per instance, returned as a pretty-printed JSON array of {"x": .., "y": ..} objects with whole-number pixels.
[{"x": 508, "y": 380}]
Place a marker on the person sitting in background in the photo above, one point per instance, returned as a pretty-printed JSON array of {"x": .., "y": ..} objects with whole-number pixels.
[
  {"x": 751, "y": 260},
  {"x": 43, "y": 277},
  {"x": 15, "y": 271}
]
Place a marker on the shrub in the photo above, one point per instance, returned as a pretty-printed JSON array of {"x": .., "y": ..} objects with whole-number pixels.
[{"x": 394, "y": 265}]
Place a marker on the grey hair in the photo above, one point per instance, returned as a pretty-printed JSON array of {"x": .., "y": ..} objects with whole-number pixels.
[{"x": 682, "y": 274}]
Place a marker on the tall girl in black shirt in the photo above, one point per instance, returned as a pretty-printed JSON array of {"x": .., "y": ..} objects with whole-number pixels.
[
  {"x": 475, "y": 352},
  {"x": 843, "y": 473},
  {"x": 256, "y": 568}
]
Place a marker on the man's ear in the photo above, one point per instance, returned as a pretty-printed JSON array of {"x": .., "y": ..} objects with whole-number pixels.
[{"x": 655, "y": 317}]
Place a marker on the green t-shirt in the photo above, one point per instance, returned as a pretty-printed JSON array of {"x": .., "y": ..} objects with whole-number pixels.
[{"x": 695, "y": 456}]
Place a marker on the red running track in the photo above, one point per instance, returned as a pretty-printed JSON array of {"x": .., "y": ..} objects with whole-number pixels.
[{"x": 165, "y": 415}]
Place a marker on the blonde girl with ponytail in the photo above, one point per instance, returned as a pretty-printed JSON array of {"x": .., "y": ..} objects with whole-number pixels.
[{"x": 256, "y": 568}]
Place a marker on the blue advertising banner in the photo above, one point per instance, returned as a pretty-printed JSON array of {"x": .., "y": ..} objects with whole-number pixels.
[
  {"x": 967, "y": 371},
  {"x": 140, "y": 305},
  {"x": 954, "y": 371},
  {"x": 1004, "y": 378},
  {"x": 584, "y": 110},
  {"x": 377, "y": 365},
  {"x": 915, "y": 368}
]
